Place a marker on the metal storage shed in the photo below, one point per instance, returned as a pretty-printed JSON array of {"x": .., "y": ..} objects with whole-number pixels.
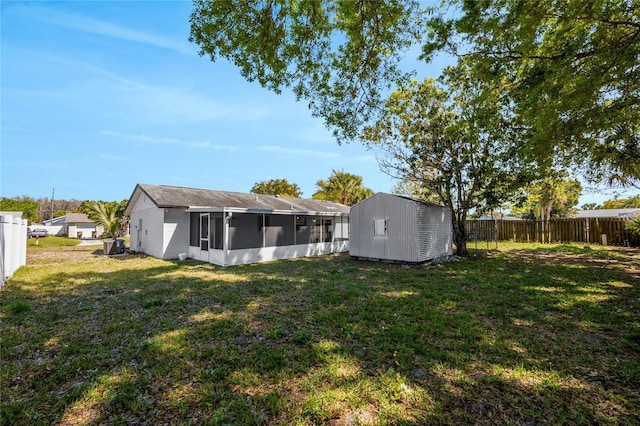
[{"x": 398, "y": 228}]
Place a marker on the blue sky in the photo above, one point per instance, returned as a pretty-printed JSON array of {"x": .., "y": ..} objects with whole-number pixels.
[{"x": 98, "y": 96}]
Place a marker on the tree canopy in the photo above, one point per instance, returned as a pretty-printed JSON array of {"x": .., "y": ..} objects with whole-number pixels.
[
  {"x": 554, "y": 196},
  {"x": 26, "y": 205},
  {"x": 622, "y": 203},
  {"x": 280, "y": 187},
  {"x": 342, "y": 187},
  {"x": 564, "y": 74},
  {"x": 338, "y": 55},
  {"x": 567, "y": 72}
]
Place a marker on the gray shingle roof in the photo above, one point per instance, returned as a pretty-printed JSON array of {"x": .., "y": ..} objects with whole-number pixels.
[
  {"x": 78, "y": 218},
  {"x": 165, "y": 196},
  {"x": 624, "y": 213}
]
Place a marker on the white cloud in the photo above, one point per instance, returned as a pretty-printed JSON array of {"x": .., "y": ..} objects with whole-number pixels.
[
  {"x": 94, "y": 26},
  {"x": 151, "y": 140},
  {"x": 296, "y": 151}
]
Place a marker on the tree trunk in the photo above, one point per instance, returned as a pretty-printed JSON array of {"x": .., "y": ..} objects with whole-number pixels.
[{"x": 460, "y": 235}]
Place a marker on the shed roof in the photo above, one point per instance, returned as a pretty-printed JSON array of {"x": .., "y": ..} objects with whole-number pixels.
[
  {"x": 166, "y": 196},
  {"x": 402, "y": 197}
]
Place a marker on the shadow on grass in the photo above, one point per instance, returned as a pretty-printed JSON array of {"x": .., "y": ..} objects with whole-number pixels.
[{"x": 504, "y": 338}]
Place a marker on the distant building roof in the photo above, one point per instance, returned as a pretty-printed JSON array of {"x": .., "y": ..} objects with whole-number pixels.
[
  {"x": 165, "y": 196},
  {"x": 13, "y": 214},
  {"x": 598, "y": 213},
  {"x": 69, "y": 218},
  {"x": 498, "y": 217}
]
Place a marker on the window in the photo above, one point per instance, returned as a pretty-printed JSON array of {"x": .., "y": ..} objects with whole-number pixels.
[{"x": 380, "y": 227}]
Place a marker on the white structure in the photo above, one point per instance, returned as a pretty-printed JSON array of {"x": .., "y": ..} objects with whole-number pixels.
[
  {"x": 74, "y": 225},
  {"x": 231, "y": 228},
  {"x": 13, "y": 244},
  {"x": 606, "y": 213},
  {"x": 397, "y": 228}
]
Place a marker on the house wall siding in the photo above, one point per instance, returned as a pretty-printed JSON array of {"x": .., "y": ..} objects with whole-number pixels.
[
  {"x": 175, "y": 233},
  {"x": 148, "y": 238}
]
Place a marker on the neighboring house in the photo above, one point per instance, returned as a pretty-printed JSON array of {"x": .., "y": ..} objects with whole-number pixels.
[
  {"x": 74, "y": 225},
  {"x": 397, "y": 228},
  {"x": 607, "y": 213},
  {"x": 231, "y": 228}
]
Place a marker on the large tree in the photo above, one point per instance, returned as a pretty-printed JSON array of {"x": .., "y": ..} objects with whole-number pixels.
[
  {"x": 280, "y": 187},
  {"x": 342, "y": 187},
  {"x": 570, "y": 67},
  {"x": 436, "y": 140},
  {"x": 566, "y": 71},
  {"x": 554, "y": 196}
]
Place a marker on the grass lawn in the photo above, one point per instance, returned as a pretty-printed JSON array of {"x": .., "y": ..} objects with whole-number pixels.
[
  {"x": 51, "y": 241},
  {"x": 526, "y": 335}
]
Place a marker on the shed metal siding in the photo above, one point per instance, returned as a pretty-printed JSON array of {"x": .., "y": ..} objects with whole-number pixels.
[
  {"x": 433, "y": 230},
  {"x": 416, "y": 231}
]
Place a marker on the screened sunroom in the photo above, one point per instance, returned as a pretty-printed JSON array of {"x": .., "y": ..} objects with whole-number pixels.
[{"x": 230, "y": 228}]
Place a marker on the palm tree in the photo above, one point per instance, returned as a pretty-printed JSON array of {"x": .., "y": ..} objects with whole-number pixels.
[
  {"x": 634, "y": 225},
  {"x": 342, "y": 187},
  {"x": 106, "y": 216}
]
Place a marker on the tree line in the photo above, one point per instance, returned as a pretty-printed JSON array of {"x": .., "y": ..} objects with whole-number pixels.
[
  {"x": 341, "y": 187},
  {"x": 38, "y": 210}
]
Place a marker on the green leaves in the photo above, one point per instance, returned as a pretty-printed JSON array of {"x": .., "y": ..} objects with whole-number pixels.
[
  {"x": 280, "y": 187},
  {"x": 106, "y": 215},
  {"x": 342, "y": 187},
  {"x": 567, "y": 73},
  {"x": 338, "y": 55}
]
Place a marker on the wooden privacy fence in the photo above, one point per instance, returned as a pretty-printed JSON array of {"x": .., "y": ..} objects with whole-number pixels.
[{"x": 590, "y": 230}]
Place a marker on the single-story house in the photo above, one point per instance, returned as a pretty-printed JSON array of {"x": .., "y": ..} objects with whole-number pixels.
[
  {"x": 74, "y": 225},
  {"x": 231, "y": 228},
  {"x": 607, "y": 213},
  {"x": 398, "y": 228}
]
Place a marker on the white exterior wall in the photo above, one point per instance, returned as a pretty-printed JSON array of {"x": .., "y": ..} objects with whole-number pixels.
[
  {"x": 149, "y": 237},
  {"x": 175, "y": 233},
  {"x": 265, "y": 254},
  {"x": 435, "y": 233},
  {"x": 13, "y": 245},
  {"x": 400, "y": 242},
  {"x": 415, "y": 231}
]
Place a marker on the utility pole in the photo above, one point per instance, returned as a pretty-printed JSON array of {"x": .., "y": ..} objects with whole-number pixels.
[{"x": 53, "y": 191}]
